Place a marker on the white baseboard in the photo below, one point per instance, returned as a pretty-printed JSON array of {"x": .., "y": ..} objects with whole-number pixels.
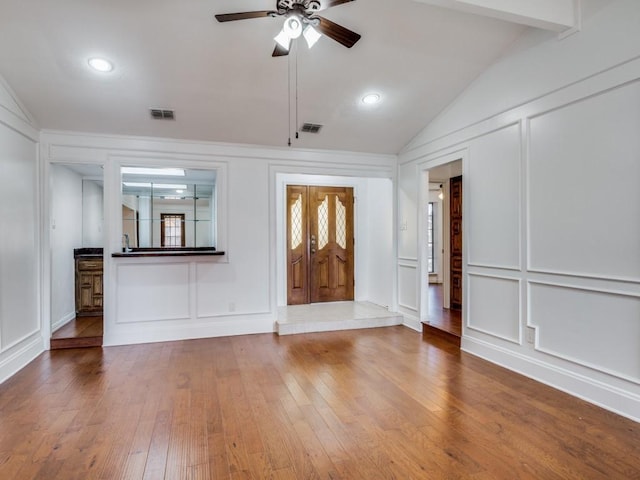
[
  {"x": 412, "y": 322},
  {"x": 20, "y": 355},
  {"x": 606, "y": 396},
  {"x": 150, "y": 331},
  {"x": 57, "y": 325}
]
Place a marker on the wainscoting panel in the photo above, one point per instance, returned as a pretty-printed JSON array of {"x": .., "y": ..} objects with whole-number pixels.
[
  {"x": 152, "y": 292},
  {"x": 492, "y": 191},
  {"x": 596, "y": 329},
  {"x": 407, "y": 211},
  {"x": 494, "y": 306},
  {"x": 408, "y": 287},
  {"x": 583, "y": 173}
]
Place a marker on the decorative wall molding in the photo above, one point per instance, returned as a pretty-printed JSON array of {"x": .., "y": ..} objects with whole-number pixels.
[
  {"x": 611, "y": 77},
  {"x": 568, "y": 273},
  {"x": 408, "y": 263},
  {"x": 621, "y": 338},
  {"x": 545, "y": 172},
  {"x": 14, "y": 115},
  {"x": 407, "y": 307},
  {"x": 153, "y": 311},
  {"x": 495, "y": 266},
  {"x": 518, "y": 320},
  {"x": 163, "y": 146}
]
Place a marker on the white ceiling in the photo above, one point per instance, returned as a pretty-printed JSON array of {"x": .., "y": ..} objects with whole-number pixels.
[{"x": 221, "y": 79}]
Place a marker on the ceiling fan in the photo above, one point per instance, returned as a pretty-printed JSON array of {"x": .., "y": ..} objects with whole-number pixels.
[{"x": 300, "y": 19}]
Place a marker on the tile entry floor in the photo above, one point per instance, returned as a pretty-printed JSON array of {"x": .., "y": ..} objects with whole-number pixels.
[{"x": 325, "y": 317}]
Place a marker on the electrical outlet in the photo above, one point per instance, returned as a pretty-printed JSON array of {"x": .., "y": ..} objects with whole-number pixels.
[{"x": 531, "y": 335}]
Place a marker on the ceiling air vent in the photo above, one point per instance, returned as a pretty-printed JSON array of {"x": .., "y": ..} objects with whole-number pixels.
[
  {"x": 310, "y": 128},
  {"x": 161, "y": 114}
]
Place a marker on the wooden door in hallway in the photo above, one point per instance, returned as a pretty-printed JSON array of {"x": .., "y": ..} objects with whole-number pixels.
[
  {"x": 320, "y": 244},
  {"x": 455, "y": 209}
]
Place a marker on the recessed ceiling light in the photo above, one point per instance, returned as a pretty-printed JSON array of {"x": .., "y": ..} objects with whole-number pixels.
[
  {"x": 371, "y": 98},
  {"x": 100, "y": 64}
]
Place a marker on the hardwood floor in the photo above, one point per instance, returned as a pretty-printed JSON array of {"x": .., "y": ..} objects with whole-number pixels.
[
  {"x": 83, "y": 331},
  {"x": 365, "y": 404},
  {"x": 443, "y": 322}
]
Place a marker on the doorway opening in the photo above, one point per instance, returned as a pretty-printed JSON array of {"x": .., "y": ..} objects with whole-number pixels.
[
  {"x": 443, "y": 249},
  {"x": 76, "y": 241},
  {"x": 320, "y": 244}
]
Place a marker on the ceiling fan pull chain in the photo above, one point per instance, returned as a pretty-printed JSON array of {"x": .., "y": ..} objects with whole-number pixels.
[
  {"x": 289, "y": 97},
  {"x": 297, "y": 124}
]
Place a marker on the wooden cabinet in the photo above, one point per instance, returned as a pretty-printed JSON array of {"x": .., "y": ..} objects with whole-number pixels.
[{"x": 89, "y": 286}]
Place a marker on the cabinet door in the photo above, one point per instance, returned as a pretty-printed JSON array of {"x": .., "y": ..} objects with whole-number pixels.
[
  {"x": 89, "y": 286},
  {"x": 97, "y": 291},
  {"x": 85, "y": 290}
]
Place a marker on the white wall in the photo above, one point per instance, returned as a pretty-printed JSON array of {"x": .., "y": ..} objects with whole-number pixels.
[
  {"x": 20, "y": 326},
  {"x": 438, "y": 226},
  {"x": 65, "y": 235},
  {"x": 552, "y": 266},
  {"x": 92, "y": 214},
  {"x": 157, "y": 299}
]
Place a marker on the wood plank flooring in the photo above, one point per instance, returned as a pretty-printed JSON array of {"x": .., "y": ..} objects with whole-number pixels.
[
  {"x": 365, "y": 404},
  {"x": 83, "y": 331},
  {"x": 443, "y": 322}
]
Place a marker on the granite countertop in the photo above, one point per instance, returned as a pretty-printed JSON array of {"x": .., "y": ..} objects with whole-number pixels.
[
  {"x": 87, "y": 252},
  {"x": 169, "y": 252}
]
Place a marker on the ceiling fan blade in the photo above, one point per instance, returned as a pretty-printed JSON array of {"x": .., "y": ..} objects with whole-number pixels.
[
  {"x": 337, "y": 32},
  {"x": 332, "y": 3},
  {"x": 228, "y": 17},
  {"x": 279, "y": 51}
]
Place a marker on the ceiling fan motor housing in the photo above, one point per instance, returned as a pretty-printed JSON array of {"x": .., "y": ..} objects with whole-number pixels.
[{"x": 302, "y": 6}]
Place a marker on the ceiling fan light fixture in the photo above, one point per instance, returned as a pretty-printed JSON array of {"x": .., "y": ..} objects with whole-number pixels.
[
  {"x": 311, "y": 35},
  {"x": 293, "y": 26},
  {"x": 283, "y": 40}
]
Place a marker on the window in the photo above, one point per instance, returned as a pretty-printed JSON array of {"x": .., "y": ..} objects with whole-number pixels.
[
  {"x": 430, "y": 248},
  {"x": 172, "y": 229}
]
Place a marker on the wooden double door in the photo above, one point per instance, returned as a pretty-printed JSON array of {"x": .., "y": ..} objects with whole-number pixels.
[{"x": 320, "y": 244}]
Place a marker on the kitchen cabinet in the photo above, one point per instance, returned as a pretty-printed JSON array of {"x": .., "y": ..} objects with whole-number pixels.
[{"x": 89, "y": 288}]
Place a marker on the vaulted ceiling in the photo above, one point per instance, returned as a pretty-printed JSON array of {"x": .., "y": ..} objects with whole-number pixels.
[{"x": 223, "y": 83}]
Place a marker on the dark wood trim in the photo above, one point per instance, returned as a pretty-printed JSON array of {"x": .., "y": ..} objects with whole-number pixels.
[{"x": 170, "y": 252}]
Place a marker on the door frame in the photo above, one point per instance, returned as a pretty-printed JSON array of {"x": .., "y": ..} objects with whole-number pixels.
[
  {"x": 423, "y": 200},
  {"x": 311, "y": 260},
  {"x": 339, "y": 174},
  {"x": 46, "y": 209},
  {"x": 324, "y": 181}
]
